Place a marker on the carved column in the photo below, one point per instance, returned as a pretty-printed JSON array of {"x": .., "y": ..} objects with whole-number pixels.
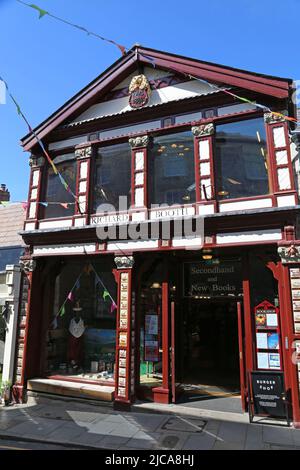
[
  {"x": 36, "y": 177},
  {"x": 204, "y": 167},
  {"x": 27, "y": 268},
  {"x": 289, "y": 283},
  {"x": 139, "y": 186},
  {"x": 83, "y": 184},
  {"x": 125, "y": 338}
]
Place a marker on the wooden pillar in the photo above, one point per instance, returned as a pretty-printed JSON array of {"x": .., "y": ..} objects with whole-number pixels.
[
  {"x": 249, "y": 335},
  {"x": 19, "y": 385},
  {"x": 162, "y": 394},
  {"x": 204, "y": 166},
  {"x": 139, "y": 177},
  {"x": 290, "y": 288},
  {"x": 125, "y": 337},
  {"x": 35, "y": 184},
  {"x": 83, "y": 185}
]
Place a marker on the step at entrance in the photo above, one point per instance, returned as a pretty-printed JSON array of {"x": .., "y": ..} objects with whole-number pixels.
[{"x": 72, "y": 389}]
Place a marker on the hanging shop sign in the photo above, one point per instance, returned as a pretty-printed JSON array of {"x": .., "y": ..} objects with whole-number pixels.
[
  {"x": 207, "y": 280},
  {"x": 268, "y": 398}
]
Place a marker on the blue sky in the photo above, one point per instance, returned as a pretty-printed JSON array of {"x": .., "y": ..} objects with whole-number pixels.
[{"x": 45, "y": 62}]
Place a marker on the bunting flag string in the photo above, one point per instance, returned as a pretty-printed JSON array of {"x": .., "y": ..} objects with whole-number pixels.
[
  {"x": 43, "y": 13},
  {"x": 25, "y": 204},
  {"x": 56, "y": 172},
  {"x": 240, "y": 98},
  {"x": 70, "y": 297},
  {"x": 106, "y": 291}
]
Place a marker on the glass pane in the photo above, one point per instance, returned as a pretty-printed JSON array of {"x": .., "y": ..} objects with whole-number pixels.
[
  {"x": 171, "y": 169},
  {"x": 56, "y": 193},
  {"x": 151, "y": 329},
  {"x": 112, "y": 176},
  {"x": 10, "y": 256},
  {"x": 241, "y": 159},
  {"x": 82, "y": 336}
]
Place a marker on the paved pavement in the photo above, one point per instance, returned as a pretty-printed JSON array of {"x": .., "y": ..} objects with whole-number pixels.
[{"x": 82, "y": 425}]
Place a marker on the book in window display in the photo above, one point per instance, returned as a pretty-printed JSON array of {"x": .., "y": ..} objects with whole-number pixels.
[{"x": 267, "y": 336}]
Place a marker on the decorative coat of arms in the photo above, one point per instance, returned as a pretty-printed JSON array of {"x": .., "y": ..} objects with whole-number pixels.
[{"x": 139, "y": 91}]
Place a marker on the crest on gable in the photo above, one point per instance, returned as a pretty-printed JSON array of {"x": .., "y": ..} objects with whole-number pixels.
[{"x": 139, "y": 91}]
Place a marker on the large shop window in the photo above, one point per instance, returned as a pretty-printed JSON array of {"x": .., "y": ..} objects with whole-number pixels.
[
  {"x": 56, "y": 194},
  {"x": 171, "y": 169},
  {"x": 241, "y": 159},
  {"x": 81, "y": 335},
  {"x": 112, "y": 178}
]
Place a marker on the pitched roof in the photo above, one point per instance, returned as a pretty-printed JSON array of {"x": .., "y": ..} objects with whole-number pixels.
[
  {"x": 11, "y": 222},
  {"x": 215, "y": 73}
]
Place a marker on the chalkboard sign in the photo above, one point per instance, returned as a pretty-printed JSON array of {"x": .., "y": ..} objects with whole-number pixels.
[{"x": 267, "y": 395}]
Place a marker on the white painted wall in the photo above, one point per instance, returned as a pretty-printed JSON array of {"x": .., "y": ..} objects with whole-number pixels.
[{"x": 11, "y": 295}]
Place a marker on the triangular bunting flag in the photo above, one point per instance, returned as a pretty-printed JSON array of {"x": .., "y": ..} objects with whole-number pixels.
[
  {"x": 62, "y": 311},
  {"x": 40, "y": 10},
  {"x": 105, "y": 294},
  {"x": 71, "y": 297},
  {"x": 113, "y": 307}
]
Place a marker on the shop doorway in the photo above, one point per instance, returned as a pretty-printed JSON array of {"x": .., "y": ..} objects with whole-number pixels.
[{"x": 208, "y": 360}]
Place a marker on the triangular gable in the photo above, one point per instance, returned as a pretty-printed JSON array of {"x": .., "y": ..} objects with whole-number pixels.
[
  {"x": 92, "y": 102},
  {"x": 166, "y": 87}
]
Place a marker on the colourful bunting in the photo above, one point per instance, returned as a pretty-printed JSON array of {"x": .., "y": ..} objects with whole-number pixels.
[
  {"x": 62, "y": 311},
  {"x": 81, "y": 28},
  {"x": 65, "y": 205},
  {"x": 70, "y": 296},
  {"x": 4, "y": 203},
  {"x": 40, "y": 10},
  {"x": 105, "y": 294},
  {"x": 113, "y": 307},
  {"x": 25, "y": 205}
]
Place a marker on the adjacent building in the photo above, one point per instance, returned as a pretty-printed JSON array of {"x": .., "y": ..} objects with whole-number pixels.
[
  {"x": 193, "y": 276},
  {"x": 11, "y": 249}
]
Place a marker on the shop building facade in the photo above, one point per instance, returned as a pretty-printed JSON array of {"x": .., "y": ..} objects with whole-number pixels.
[{"x": 192, "y": 276}]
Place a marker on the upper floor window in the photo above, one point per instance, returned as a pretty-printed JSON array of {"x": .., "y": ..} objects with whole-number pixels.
[
  {"x": 112, "y": 177},
  {"x": 241, "y": 159},
  {"x": 171, "y": 169},
  {"x": 56, "y": 194}
]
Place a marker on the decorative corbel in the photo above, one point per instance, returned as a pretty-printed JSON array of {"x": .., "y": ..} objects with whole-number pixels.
[
  {"x": 271, "y": 118},
  {"x": 124, "y": 262},
  {"x": 140, "y": 141},
  {"x": 84, "y": 152},
  {"x": 203, "y": 130}
]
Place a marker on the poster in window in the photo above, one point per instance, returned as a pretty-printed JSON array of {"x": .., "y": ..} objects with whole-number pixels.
[
  {"x": 151, "y": 324},
  {"x": 296, "y": 294},
  {"x": 263, "y": 360},
  {"x": 262, "y": 340},
  {"x": 151, "y": 351},
  {"x": 295, "y": 283},
  {"x": 260, "y": 319},
  {"x": 295, "y": 272},
  {"x": 273, "y": 341},
  {"x": 272, "y": 320},
  {"x": 274, "y": 361}
]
